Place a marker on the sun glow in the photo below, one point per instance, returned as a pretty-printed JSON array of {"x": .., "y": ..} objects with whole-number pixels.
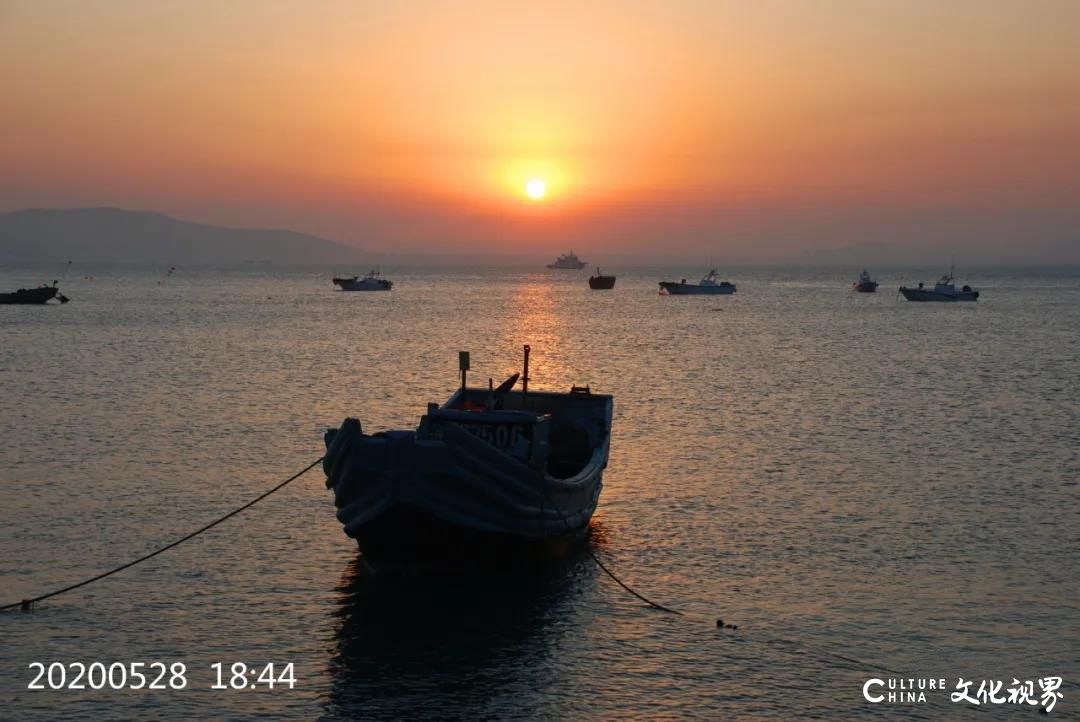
[{"x": 536, "y": 188}]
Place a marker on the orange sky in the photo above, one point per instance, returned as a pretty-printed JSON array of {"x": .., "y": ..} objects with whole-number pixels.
[{"x": 739, "y": 129}]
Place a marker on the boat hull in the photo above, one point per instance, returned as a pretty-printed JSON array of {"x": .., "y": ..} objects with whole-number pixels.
[
  {"x": 411, "y": 540},
  {"x": 926, "y": 295},
  {"x": 691, "y": 289},
  {"x": 29, "y": 295},
  {"x": 379, "y": 285},
  {"x": 866, "y": 287},
  {"x": 416, "y": 503},
  {"x": 567, "y": 266},
  {"x": 601, "y": 283}
]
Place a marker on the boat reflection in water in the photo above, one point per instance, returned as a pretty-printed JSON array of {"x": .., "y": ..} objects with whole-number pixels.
[{"x": 468, "y": 648}]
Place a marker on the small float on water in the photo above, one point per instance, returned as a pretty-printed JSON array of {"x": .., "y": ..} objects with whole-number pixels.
[
  {"x": 865, "y": 284},
  {"x": 494, "y": 475},
  {"x": 371, "y": 282},
  {"x": 710, "y": 285},
  {"x": 41, "y": 294},
  {"x": 944, "y": 290},
  {"x": 600, "y": 282}
]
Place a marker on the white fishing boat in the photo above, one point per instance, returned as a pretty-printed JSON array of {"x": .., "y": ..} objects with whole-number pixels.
[
  {"x": 944, "y": 290},
  {"x": 710, "y": 285},
  {"x": 493, "y": 475},
  {"x": 568, "y": 261},
  {"x": 371, "y": 282}
]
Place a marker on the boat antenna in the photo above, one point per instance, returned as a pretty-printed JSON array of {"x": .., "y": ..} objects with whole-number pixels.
[
  {"x": 463, "y": 366},
  {"x": 525, "y": 377}
]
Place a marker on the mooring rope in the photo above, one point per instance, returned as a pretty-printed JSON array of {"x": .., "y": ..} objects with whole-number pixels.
[
  {"x": 625, "y": 586},
  {"x": 813, "y": 649},
  {"x": 27, "y": 603},
  {"x": 655, "y": 605},
  {"x": 719, "y": 621}
]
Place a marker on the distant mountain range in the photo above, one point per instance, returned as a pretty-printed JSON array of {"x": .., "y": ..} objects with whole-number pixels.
[{"x": 114, "y": 235}]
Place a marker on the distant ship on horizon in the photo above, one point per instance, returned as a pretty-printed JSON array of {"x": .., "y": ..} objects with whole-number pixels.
[
  {"x": 371, "y": 282},
  {"x": 865, "y": 284},
  {"x": 944, "y": 290},
  {"x": 568, "y": 260}
]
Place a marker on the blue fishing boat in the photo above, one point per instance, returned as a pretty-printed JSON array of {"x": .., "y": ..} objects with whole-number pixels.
[
  {"x": 494, "y": 475},
  {"x": 710, "y": 285}
]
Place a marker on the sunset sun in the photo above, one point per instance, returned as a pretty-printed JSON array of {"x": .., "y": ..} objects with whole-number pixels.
[{"x": 536, "y": 188}]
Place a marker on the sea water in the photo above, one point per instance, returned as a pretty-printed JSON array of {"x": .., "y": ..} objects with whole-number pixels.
[{"x": 867, "y": 488}]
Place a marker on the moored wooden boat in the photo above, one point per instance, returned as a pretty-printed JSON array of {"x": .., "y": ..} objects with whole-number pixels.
[{"x": 491, "y": 476}]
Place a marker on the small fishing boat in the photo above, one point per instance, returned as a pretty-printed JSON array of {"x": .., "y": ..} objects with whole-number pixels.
[
  {"x": 600, "y": 282},
  {"x": 567, "y": 261},
  {"x": 494, "y": 475},
  {"x": 865, "y": 284},
  {"x": 39, "y": 295},
  {"x": 371, "y": 282},
  {"x": 944, "y": 290},
  {"x": 710, "y": 285}
]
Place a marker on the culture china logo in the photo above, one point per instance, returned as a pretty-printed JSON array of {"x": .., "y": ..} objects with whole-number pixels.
[{"x": 1041, "y": 693}]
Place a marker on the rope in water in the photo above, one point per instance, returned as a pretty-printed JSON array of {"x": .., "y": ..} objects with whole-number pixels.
[
  {"x": 544, "y": 498},
  {"x": 625, "y": 586},
  {"x": 719, "y": 623},
  {"x": 27, "y": 603}
]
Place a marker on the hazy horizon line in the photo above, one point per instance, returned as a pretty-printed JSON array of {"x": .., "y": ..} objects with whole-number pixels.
[{"x": 889, "y": 254}]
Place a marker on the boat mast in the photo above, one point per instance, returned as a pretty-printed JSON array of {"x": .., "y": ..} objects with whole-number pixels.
[
  {"x": 525, "y": 378},
  {"x": 463, "y": 367}
]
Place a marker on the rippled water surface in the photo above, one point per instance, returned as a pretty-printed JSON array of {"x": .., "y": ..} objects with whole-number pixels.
[{"x": 857, "y": 482}]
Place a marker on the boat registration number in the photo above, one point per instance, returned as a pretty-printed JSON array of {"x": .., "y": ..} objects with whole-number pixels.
[{"x": 501, "y": 436}]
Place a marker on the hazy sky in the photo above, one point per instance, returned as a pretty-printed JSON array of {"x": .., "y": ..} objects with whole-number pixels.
[{"x": 739, "y": 129}]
